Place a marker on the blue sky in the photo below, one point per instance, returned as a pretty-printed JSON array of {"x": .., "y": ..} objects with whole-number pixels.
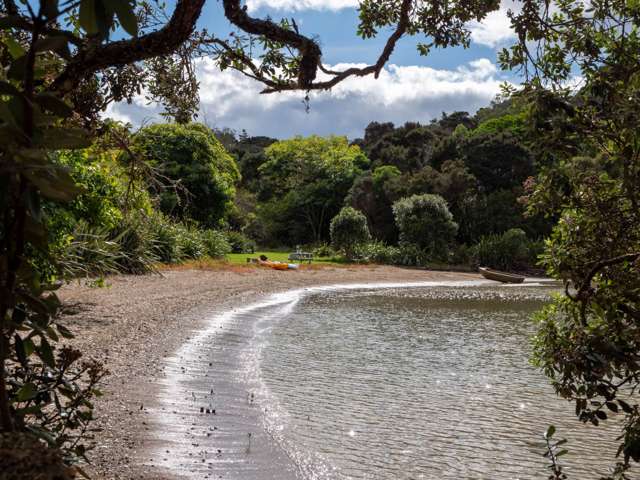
[{"x": 412, "y": 88}]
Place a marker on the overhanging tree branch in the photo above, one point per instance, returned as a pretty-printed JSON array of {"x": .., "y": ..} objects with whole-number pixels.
[
  {"x": 310, "y": 52},
  {"x": 93, "y": 58}
]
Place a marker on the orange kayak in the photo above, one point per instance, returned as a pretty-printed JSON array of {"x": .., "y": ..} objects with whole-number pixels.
[
  {"x": 279, "y": 266},
  {"x": 275, "y": 265}
]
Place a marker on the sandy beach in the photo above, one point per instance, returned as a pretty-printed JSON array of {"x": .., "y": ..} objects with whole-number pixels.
[{"x": 136, "y": 326}]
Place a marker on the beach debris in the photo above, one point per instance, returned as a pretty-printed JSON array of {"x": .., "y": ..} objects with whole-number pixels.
[{"x": 248, "y": 442}]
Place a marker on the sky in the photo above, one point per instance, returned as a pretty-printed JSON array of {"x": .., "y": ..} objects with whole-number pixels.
[{"x": 411, "y": 87}]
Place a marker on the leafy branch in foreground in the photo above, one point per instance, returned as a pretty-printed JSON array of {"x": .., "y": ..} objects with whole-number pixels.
[
  {"x": 588, "y": 342},
  {"x": 553, "y": 453}
]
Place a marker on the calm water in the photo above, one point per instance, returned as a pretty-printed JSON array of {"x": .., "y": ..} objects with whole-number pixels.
[{"x": 416, "y": 383}]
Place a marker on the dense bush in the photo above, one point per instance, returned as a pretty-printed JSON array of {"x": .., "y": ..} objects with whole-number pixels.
[
  {"x": 508, "y": 251},
  {"x": 349, "y": 229},
  {"x": 215, "y": 243},
  {"x": 166, "y": 238},
  {"x": 89, "y": 252},
  {"x": 240, "y": 243},
  {"x": 136, "y": 245},
  {"x": 412, "y": 255},
  {"x": 198, "y": 176},
  {"x": 83, "y": 233},
  {"x": 174, "y": 242},
  {"x": 378, "y": 252},
  {"x": 191, "y": 242},
  {"x": 324, "y": 250},
  {"x": 425, "y": 225}
]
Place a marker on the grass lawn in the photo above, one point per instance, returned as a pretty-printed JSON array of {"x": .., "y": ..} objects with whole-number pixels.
[{"x": 241, "y": 258}]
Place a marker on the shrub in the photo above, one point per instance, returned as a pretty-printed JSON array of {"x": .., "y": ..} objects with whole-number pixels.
[
  {"x": 507, "y": 251},
  {"x": 424, "y": 222},
  {"x": 166, "y": 239},
  {"x": 461, "y": 255},
  {"x": 378, "y": 252},
  {"x": 411, "y": 255},
  {"x": 89, "y": 252},
  {"x": 215, "y": 243},
  {"x": 192, "y": 157},
  {"x": 240, "y": 243},
  {"x": 324, "y": 251},
  {"x": 536, "y": 248},
  {"x": 191, "y": 242},
  {"x": 136, "y": 245},
  {"x": 349, "y": 229}
]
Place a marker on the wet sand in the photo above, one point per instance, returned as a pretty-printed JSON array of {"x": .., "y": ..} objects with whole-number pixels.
[{"x": 153, "y": 333}]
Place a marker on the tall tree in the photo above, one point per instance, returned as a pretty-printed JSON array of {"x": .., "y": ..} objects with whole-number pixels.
[
  {"x": 304, "y": 182},
  {"x": 199, "y": 174}
]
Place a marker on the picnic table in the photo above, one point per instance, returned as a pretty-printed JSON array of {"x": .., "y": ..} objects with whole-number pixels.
[{"x": 301, "y": 256}]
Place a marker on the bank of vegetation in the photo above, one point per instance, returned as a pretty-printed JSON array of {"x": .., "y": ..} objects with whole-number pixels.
[{"x": 451, "y": 192}]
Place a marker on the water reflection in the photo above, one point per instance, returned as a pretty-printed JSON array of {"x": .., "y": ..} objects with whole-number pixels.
[{"x": 420, "y": 383}]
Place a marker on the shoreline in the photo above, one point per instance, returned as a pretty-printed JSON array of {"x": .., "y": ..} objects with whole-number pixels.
[{"x": 138, "y": 323}]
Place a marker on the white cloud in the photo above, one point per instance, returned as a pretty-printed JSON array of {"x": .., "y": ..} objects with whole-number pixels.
[
  {"x": 302, "y": 4},
  {"x": 402, "y": 93},
  {"x": 495, "y": 29}
]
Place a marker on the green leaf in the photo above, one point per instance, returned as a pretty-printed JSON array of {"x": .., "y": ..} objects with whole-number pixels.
[
  {"x": 104, "y": 16},
  {"x": 54, "y": 183},
  {"x": 19, "y": 315},
  {"x": 29, "y": 347},
  {"x": 17, "y": 68},
  {"x": 45, "y": 352},
  {"x": 50, "y": 8},
  {"x": 612, "y": 406},
  {"x": 80, "y": 471},
  {"x": 43, "y": 434},
  {"x": 626, "y": 408},
  {"x": 26, "y": 392},
  {"x": 550, "y": 431},
  {"x": 20, "y": 351},
  {"x": 64, "y": 331},
  {"x": 15, "y": 49},
  {"x": 98, "y": 393},
  {"x": 126, "y": 14},
  {"x": 62, "y": 138},
  {"x": 53, "y": 104},
  {"x": 87, "y": 17},
  {"x": 31, "y": 410},
  {"x": 36, "y": 304},
  {"x": 52, "y": 334}
]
